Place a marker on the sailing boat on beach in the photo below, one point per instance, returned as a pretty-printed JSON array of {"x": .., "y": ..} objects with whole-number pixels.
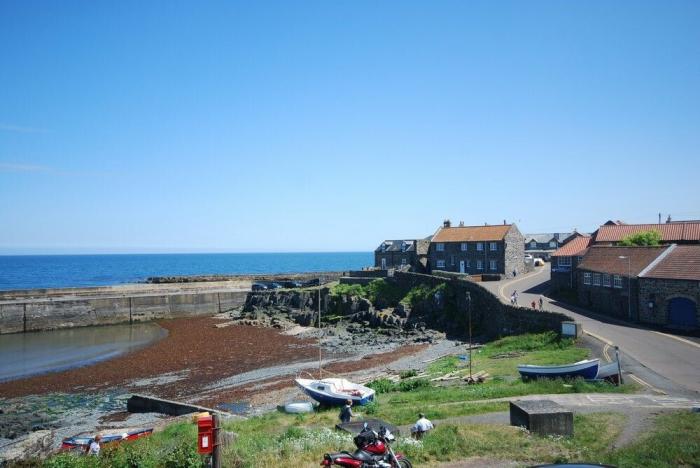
[{"x": 333, "y": 391}]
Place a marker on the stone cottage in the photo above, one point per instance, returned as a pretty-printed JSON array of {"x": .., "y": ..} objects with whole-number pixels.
[
  {"x": 565, "y": 260},
  {"x": 669, "y": 288},
  {"x": 402, "y": 253},
  {"x": 475, "y": 250},
  {"x": 607, "y": 278}
]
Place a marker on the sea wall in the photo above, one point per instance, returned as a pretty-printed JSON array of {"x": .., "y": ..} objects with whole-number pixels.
[{"x": 39, "y": 314}]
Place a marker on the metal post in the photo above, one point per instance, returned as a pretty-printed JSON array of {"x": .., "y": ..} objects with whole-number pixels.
[
  {"x": 468, "y": 300},
  {"x": 619, "y": 368},
  {"x": 216, "y": 453},
  {"x": 319, "y": 330}
]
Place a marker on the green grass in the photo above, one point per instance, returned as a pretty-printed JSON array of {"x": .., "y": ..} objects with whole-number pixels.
[
  {"x": 593, "y": 435},
  {"x": 301, "y": 440},
  {"x": 674, "y": 441}
]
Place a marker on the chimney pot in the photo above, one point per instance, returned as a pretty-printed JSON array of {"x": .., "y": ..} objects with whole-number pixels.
[{"x": 447, "y": 223}]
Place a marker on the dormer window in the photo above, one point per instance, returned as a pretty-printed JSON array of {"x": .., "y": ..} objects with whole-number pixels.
[
  {"x": 553, "y": 244},
  {"x": 533, "y": 245}
]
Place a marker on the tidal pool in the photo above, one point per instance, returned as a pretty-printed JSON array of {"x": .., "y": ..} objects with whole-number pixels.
[{"x": 26, "y": 354}]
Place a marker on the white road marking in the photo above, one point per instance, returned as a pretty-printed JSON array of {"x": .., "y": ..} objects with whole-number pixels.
[
  {"x": 677, "y": 338},
  {"x": 512, "y": 282},
  {"x": 605, "y": 352},
  {"x": 598, "y": 337}
]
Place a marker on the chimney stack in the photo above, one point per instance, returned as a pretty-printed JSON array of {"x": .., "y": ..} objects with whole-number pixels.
[
  {"x": 461, "y": 224},
  {"x": 504, "y": 222},
  {"x": 446, "y": 223},
  {"x": 668, "y": 220}
]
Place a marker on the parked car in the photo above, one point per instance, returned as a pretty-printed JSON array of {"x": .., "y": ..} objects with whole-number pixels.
[
  {"x": 539, "y": 262},
  {"x": 274, "y": 286},
  {"x": 259, "y": 287},
  {"x": 291, "y": 284}
]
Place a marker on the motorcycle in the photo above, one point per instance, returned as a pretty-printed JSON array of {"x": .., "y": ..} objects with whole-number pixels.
[{"x": 373, "y": 450}]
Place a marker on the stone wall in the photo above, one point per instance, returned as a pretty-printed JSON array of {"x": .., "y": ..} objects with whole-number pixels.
[
  {"x": 659, "y": 292},
  {"x": 361, "y": 281},
  {"x": 368, "y": 273},
  {"x": 49, "y": 314},
  {"x": 490, "y": 317},
  {"x": 514, "y": 257}
]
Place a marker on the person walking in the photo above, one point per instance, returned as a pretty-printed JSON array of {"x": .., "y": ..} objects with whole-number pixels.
[
  {"x": 346, "y": 412},
  {"x": 514, "y": 297},
  {"x": 541, "y": 302},
  {"x": 421, "y": 426},
  {"x": 94, "y": 448}
]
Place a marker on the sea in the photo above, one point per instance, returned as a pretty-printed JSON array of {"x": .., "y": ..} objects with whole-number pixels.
[{"x": 62, "y": 271}]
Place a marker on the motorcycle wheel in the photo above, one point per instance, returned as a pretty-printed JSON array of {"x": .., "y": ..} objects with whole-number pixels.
[{"x": 405, "y": 463}]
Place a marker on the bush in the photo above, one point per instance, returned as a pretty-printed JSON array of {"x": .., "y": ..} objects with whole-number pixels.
[
  {"x": 348, "y": 290},
  {"x": 408, "y": 373},
  {"x": 382, "y": 385},
  {"x": 381, "y": 289},
  {"x": 408, "y": 385}
]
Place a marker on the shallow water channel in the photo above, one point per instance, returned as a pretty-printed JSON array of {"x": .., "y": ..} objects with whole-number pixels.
[{"x": 25, "y": 354}]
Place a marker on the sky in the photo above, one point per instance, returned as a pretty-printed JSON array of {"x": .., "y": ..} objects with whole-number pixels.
[{"x": 170, "y": 126}]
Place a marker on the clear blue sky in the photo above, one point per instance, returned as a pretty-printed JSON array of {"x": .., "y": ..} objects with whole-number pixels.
[{"x": 315, "y": 126}]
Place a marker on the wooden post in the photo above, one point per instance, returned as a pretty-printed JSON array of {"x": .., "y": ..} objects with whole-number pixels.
[{"x": 216, "y": 453}]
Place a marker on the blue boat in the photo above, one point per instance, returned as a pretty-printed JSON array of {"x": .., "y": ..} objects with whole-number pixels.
[
  {"x": 587, "y": 369},
  {"x": 335, "y": 392}
]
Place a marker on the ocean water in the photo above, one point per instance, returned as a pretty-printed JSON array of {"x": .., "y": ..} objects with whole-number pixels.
[{"x": 60, "y": 271}]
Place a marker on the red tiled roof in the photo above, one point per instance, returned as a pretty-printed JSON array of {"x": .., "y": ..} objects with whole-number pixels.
[
  {"x": 471, "y": 233},
  {"x": 606, "y": 259},
  {"x": 670, "y": 232},
  {"x": 575, "y": 247},
  {"x": 681, "y": 262}
]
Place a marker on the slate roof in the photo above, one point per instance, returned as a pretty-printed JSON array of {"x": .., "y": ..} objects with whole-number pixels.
[
  {"x": 680, "y": 262},
  {"x": 606, "y": 259},
  {"x": 574, "y": 248},
  {"x": 471, "y": 233},
  {"x": 396, "y": 245},
  {"x": 544, "y": 238},
  {"x": 670, "y": 232}
]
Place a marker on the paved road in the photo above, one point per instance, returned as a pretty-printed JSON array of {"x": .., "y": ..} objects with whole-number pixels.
[{"x": 665, "y": 363}]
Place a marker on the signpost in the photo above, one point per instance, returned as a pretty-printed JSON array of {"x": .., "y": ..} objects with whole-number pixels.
[{"x": 468, "y": 301}]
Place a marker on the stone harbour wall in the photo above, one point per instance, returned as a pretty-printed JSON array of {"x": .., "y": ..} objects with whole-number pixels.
[{"x": 29, "y": 315}]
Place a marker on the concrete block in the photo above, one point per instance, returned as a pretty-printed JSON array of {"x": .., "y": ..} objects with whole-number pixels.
[{"x": 543, "y": 417}]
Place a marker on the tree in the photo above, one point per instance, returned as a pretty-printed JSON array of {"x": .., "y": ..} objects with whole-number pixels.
[{"x": 643, "y": 238}]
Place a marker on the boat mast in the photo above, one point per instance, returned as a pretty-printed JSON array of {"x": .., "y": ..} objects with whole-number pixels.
[{"x": 320, "y": 376}]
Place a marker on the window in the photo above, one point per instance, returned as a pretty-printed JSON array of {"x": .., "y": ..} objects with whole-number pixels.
[
  {"x": 403, "y": 261},
  {"x": 479, "y": 246},
  {"x": 553, "y": 244},
  {"x": 596, "y": 279},
  {"x": 452, "y": 260},
  {"x": 586, "y": 278},
  {"x": 617, "y": 281},
  {"x": 463, "y": 247},
  {"x": 466, "y": 263},
  {"x": 493, "y": 246},
  {"x": 564, "y": 261},
  {"x": 479, "y": 265},
  {"x": 579, "y": 258},
  {"x": 533, "y": 245},
  {"x": 492, "y": 264},
  {"x": 606, "y": 280},
  {"x": 440, "y": 247},
  {"x": 440, "y": 264}
]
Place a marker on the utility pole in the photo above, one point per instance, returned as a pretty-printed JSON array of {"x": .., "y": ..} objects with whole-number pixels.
[{"x": 216, "y": 453}]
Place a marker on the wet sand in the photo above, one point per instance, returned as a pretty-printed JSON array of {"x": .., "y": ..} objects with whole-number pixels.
[{"x": 194, "y": 348}]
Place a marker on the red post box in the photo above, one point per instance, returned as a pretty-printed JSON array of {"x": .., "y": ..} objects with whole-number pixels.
[{"x": 205, "y": 434}]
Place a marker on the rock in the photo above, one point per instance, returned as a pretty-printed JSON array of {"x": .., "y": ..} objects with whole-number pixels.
[{"x": 35, "y": 445}]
